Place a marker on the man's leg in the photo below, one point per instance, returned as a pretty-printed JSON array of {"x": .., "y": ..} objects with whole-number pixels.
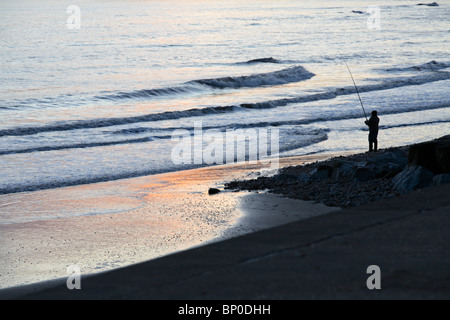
[{"x": 375, "y": 145}]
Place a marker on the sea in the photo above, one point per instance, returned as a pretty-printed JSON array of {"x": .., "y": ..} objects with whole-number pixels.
[{"x": 94, "y": 90}]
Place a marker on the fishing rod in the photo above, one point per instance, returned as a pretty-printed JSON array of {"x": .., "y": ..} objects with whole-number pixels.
[{"x": 356, "y": 88}]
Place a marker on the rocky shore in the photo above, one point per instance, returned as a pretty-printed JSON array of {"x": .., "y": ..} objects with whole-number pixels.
[{"x": 361, "y": 178}]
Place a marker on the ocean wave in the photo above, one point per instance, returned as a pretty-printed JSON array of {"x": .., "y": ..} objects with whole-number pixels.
[
  {"x": 289, "y": 75},
  {"x": 433, "y": 65},
  {"x": 413, "y": 124},
  {"x": 109, "y": 122},
  {"x": 263, "y": 124},
  {"x": 284, "y": 76},
  {"x": 146, "y": 93},
  {"x": 294, "y": 139},
  {"x": 197, "y": 112},
  {"x": 339, "y": 117},
  {"x": 331, "y": 94},
  {"x": 81, "y": 145},
  {"x": 165, "y": 134},
  {"x": 280, "y": 77},
  {"x": 82, "y": 181},
  {"x": 154, "y": 133}
]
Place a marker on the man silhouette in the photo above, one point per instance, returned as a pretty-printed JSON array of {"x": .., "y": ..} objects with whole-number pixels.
[{"x": 373, "y": 131}]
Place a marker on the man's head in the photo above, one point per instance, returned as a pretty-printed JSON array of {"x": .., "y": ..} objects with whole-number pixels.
[{"x": 374, "y": 113}]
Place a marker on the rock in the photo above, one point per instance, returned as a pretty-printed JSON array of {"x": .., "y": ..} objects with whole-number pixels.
[
  {"x": 412, "y": 178},
  {"x": 389, "y": 170},
  {"x": 422, "y": 154},
  {"x": 433, "y": 155},
  {"x": 396, "y": 157},
  {"x": 285, "y": 177},
  {"x": 377, "y": 170},
  {"x": 213, "y": 191},
  {"x": 441, "y": 179},
  {"x": 432, "y": 4},
  {"x": 364, "y": 174},
  {"x": 443, "y": 155},
  {"x": 342, "y": 169},
  {"x": 356, "y": 179},
  {"x": 401, "y": 152},
  {"x": 323, "y": 171},
  {"x": 303, "y": 178},
  {"x": 263, "y": 60}
]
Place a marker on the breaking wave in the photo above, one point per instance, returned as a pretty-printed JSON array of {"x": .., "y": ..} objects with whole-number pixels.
[
  {"x": 154, "y": 133},
  {"x": 289, "y": 75},
  {"x": 429, "y": 66},
  {"x": 196, "y": 112},
  {"x": 284, "y": 76}
]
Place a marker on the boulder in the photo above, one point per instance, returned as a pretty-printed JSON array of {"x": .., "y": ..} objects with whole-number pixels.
[
  {"x": 412, "y": 178},
  {"x": 443, "y": 156},
  {"x": 304, "y": 178},
  {"x": 363, "y": 174},
  {"x": 431, "y": 4},
  {"x": 342, "y": 169},
  {"x": 389, "y": 170},
  {"x": 385, "y": 165},
  {"x": 213, "y": 191},
  {"x": 433, "y": 155},
  {"x": 323, "y": 171},
  {"x": 396, "y": 157},
  {"x": 263, "y": 60}
]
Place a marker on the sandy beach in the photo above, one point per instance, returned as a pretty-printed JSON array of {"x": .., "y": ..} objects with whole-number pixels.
[
  {"x": 219, "y": 149},
  {"x": 326, "y": 257},
  {"x": 104, "y": 226},
  {"x": 180, "y": 242}
]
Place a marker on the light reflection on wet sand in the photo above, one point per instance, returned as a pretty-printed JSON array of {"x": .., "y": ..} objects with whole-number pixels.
[{"x": 113, "y": 224}]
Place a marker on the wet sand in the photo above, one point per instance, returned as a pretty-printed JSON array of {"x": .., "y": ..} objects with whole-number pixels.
[{"x": 104, "y": 226}]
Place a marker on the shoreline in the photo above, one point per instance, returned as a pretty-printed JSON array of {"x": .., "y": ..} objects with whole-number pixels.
[
  {"x": 259, "y": 212},
  {"x": 247, "y": 213},
  {"x": 158, "y": 215}
]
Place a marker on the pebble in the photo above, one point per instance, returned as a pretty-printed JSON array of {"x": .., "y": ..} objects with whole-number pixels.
[{"x": 344, "y": 191}]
